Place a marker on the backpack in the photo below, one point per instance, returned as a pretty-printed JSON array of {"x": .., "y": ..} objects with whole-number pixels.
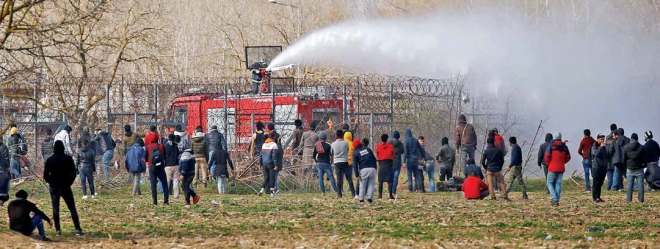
[
  {"x": 183, "y": 145},
  {"x": 20, "y": 145},
  {"x": 157, "y": 158},
  {"x": 259, "y": 140}
]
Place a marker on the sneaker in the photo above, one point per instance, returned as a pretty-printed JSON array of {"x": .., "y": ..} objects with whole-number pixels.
[
  {"x": 506, "y": 198},
  {"x": 600, "y": 200},
  {"x": 196, "y": 199},
  {"x": 46, "y": 239},
  {"x": 587, "y": 190},
  {"x": 356, "y": 197},
  {"x": 84, "y": 197},
  {"x": 370, "y": 201},
  {"x": 58, "y": 232},
  {"x": 261, "y": 192},
  {"x": 96, "y": 194},
  {"x": 525, "y": 197},
  {"x": 93, "y": 196},
  {"x": 79, "y": 233}
]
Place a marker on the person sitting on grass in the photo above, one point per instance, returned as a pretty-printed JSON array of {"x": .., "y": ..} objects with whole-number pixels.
[
  {"x": 474, "y": 188},
  {"x": 19, "y": 216},
  {"x": 473, "y": 168},
  {"x": 187, "y": 175}
]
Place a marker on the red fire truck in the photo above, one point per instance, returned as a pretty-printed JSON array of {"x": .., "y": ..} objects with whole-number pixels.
[{"x": 238, "y": 113}]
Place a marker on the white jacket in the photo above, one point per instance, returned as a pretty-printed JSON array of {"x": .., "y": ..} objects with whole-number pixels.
[{"x": 64, "y": 137}]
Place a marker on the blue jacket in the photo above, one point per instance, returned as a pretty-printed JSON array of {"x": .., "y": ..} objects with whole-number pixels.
[
  {"x": 652, "y": 151},
  {"x": 473, "y": 168},
  {"x": 135, "y": 159},
  {"x": 363, "y": 158},
  {"x": 269, "y": 154},
  {"x": 187, "y": 164},
  {"x": 516, "y": 156},
  {"x": 412, "y": 150}
]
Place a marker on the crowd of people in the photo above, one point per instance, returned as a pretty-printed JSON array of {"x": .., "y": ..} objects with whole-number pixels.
[{"x": 183, "y": 160}]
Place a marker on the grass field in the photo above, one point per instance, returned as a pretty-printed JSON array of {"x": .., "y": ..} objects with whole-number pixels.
[{"x": 431, "y": 220}]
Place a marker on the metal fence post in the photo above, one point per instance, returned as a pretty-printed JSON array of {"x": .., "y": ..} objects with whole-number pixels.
[
  {"x": 36, "y": 119},
  {"x": 156, "y": 101},
  {"x": 107, "y": 107},
  {"x": 272, "y": 91},
  {"x": 357, "y": 107},
  {"x": 226, "y": 115},
  {"x": 135, "y": 121},
  {"x": 392, "y": 103},
  {"x": 371, "y": 130},
  {"x": 345, "y": 111}
]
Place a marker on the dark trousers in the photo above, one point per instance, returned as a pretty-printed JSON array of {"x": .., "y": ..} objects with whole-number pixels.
[
  {"x": 87, "y": 176},
  {"x": 446, "y": 174},
  {"x": 621, "y": 172},
  {"x": 343, "y": 170},
  {"x": 155, "y": 175},
  {"x": 389, "y": 189},
  {"x": 187, "y": 188},
  {"x": 67, "y": 195},
  {"x": 269, "y": 177},
  {"x": 599, "y": 175}
]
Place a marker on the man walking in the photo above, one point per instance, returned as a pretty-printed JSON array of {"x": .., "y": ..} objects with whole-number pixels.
[
  {"x": 339, "y": 151},
  {"x": 172, "y": 163},
  {"x": 541, "y": 157},
  {"x": 60, "y": 173},
  {"x": 516, "y": 165},
  {"x": 429, "y": 168},
  {"x": 556, "y": 156},
  {"x": 136, "y": 164},
  {"x": 584, "y": 149},
  {"x": 412, "y": 152},
  {"x": 200, "y": 148}
]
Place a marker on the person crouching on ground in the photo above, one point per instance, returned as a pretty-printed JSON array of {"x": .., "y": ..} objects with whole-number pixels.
[
  {"x": 365, "y": 169},
  {"x": 19, "y": 216},
  {"x": 474, "y": 188},
  {"x": 221, "y": 159},
  {"x": 385, "y": 153},
  {"x": 187, "y": 175},
  {"x": 268, "y": 158}
]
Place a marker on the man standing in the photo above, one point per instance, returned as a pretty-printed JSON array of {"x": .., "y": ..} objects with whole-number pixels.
[
  {"x": 17, "y": 150},
  {"x": 618, "y": 157},
  {"x": 157, "y": 173},
  {"x": 296, "y": 146},
  {"x": 541, "y": 157},
  {"x": 272, "y": 133},
  {"x": 634, "y": 158},
  {"x": 85, "y": 136},
  {"x": 466, "y": 138},
  {"x": 323, "y": 160},
  {"x": 397, "y": 162},
  {"x": 556, "y": 156},
  {"x": 136, "y": 164},
  {"x": 309, "y": 139},
  {"x": 652, "y": 154},
  {"x": 258, "y": 139},
  {"x": 447, "y": 158},
  {"x": 600, "y": 160},
  {"x": 584, "y": 149},
  {"x": 609, "y": 142},
  {"x": 430, "y": 166},
  {"x": 385, "y": 155},
  {"x": 214, "y": 138},
  {"x": 107, "y": 146},
  {"x": 60, "y": 173},
  {"x": 268, "y": 163},
  {"x": 5, "y": 160},
  {"x": 47, "y": 145},
  {"x": 339, "y": 151},
  {"x": 172, "y": 163},
  {"x": 85, "y": 160},
  {"x": 65, "y": 136},
  {"x": 516, "y": 165},
  {"x": 365, "y": 169},
  {"x": 184, "y": 142},
  {"x": 412, "y": 151},
  {"x": 200, "y": 148},
  {"x": 493, "y": 160}
]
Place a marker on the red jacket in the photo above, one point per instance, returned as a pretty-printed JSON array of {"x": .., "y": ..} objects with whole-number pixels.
[
  {"x": 150, "y": 137},
  {"x": 473, "y": 186},
  {"x": 585, "y": 147},
  {"x": 385, "y": 151},
  {"x": 149, "y": 148},
  {"x": 556, "y": 156},
  {"x": 499, "y": 143}
]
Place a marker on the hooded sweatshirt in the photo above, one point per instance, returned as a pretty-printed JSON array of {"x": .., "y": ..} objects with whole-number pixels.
[
  {"x": 187, "y": 164},
  {"x": 339, "y": 151},
  {"x": 499, "y": 143},
  {"x": 322, "y": 150},
  {"x": 412, "y": 150},
  {"x": 651, "y": 151},
  {"x": 86, "y": 159},
  {"x": 557, "y": 156},
  {"x": 64, "y": 137},
  {"x": 616, "y": 148},
  {"x": 464, "y": 134},
  {"x": 199, "y": 145},
  {"x": 59, "y": 169},
  {"x": 269, "y": 153},
  {"x": 398, "y": 150},
  {"x": 543, "y": 148},
  {"x": 363, "y": 156},
  {"x": 599, "y": 156},
  {"x": 348, "y": 137},
  {"x": 634, "y": 155},
  {"x": 135, "y": 159},
  {"x": 585, "y": 147},
  {"x": 493, "y": 159}
]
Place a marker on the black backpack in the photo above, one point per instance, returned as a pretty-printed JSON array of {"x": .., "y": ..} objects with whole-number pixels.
[
  {"x": 157, "y": 158},
  {"x": 259, "y": 140},
  {"x": 21, "y": 145}
]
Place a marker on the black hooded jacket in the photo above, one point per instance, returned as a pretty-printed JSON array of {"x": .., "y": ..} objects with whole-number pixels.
[
  {"x": 85, "y": 159},
  {"x": 542, "y": 149},
  {"x": 60, "y": 170},
  {"x": 221, "y": 159},
  {"x": 633, "y": 155}
]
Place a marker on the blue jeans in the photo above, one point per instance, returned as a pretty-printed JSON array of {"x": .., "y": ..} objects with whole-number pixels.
[
  {"x": 467, "y": 152},
  {"x": 430, "y": 172},
  {"x": 554, "y": 185},
  {"x": 610, "y": 179},
  {"x": 395, "y": 180},
  {"x": 15, "y": 168},
  {"x": 412, "y": 170},
  {"x": 107, "y": 160},
  {"x": 586, "y": 165},
  {"x": 632, "y": 175},
  {"x": 325, "y": 168},
  {"x": 615, "y": 180},
  {"x": 36, "y": 222}
]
